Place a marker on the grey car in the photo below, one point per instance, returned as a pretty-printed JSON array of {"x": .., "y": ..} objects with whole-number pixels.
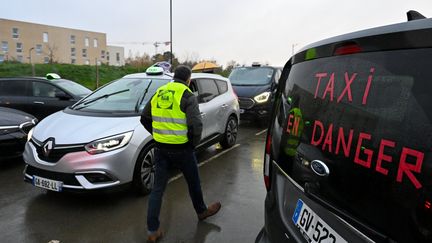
[{"x": 99, "y": 142}]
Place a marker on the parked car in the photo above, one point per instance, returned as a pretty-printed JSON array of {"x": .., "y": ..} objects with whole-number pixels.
[
  {"x": 40, "y": 96},
  {"x": 255, "y": 87},
  {"x": 100, "y": 143},
  {"x": 14, "y": 127},
  {"x": 348, "y": 152}
]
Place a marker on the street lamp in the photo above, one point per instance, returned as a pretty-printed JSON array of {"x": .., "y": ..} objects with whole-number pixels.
[
  {"x": 171, "y": 43},
  {"x": 30, "y": 60}
]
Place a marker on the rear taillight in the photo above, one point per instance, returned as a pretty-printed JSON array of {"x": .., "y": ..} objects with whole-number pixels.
[
  {"x": 267, "y": 162},
  {"x": 347, "y": 49}
]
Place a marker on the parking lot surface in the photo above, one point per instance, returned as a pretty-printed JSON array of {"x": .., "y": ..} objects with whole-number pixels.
[{"x": 234, "y": 177}]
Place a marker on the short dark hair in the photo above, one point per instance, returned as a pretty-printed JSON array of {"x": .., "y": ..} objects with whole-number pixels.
[{"x": 182, "y": 72}]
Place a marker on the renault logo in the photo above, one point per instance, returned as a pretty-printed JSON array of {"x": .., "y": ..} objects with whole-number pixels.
[{"x": 48, "y": 146}]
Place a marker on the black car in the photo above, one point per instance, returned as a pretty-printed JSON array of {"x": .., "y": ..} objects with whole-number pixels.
[
  {"x": 40, "y": 96},
  {"x": 14, "y": 127},
  {"x": 255, "y": 87},
  {"x": 348, "y": 151}
]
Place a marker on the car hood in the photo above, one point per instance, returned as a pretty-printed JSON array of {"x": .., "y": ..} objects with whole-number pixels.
[
  {"x": 77, "y": 129},
  {"x": 250, "y": 91},
  {"x": 13, "y": 117}
]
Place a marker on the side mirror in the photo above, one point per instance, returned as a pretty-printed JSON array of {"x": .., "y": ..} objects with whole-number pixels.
[{"x": 62, "y": 96}]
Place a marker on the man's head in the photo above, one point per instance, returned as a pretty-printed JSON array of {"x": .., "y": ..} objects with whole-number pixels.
[{"x": 183, "y": 73}]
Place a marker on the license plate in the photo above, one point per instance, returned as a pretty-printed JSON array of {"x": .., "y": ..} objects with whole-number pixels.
[
  {"x": 47, "y": 183},
  {"x": 312, "y": 227},
  {"x": 242, "y": 111}
]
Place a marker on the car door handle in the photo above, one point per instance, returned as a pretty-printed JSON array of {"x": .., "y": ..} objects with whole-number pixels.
[
  {"x": 224, "y": 106},
  {"x": 39, "y": 102}
]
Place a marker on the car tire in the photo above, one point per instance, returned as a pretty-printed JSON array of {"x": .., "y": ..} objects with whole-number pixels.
[
  {"x": 144, "y": 172},
  {"x": 230, "y": 135}
]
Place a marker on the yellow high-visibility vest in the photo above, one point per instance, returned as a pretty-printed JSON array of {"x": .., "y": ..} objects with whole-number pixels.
[{"x": 169, "y": 122}]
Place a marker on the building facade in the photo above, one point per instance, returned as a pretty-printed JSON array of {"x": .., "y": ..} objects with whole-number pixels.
[
  {"x": 115, "y": 56},
  {"x": 36, "y": 43}
]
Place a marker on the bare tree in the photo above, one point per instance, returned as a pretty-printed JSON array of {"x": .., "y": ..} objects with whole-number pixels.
[{"x": 51, "y": 52}]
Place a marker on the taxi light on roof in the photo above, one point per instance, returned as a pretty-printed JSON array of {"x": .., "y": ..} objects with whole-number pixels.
[
  {"x": 154, "y": 70},
  {"x": 51, "y": 76}
]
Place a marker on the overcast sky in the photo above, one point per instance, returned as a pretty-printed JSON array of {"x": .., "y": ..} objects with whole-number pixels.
[{"x": 223, "y": 30}]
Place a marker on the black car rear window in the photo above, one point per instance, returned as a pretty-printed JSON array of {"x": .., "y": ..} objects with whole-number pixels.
[
  {"x": 13, "y": 87},
  {"x": 368, "y": 117}
]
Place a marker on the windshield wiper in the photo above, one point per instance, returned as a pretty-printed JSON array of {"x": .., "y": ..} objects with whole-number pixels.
[
  {"x": 139, "y": 101},
  {"x": 88, "y": 102}
]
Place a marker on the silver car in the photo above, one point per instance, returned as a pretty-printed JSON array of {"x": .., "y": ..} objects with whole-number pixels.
[{"x": 100, "y": 143}]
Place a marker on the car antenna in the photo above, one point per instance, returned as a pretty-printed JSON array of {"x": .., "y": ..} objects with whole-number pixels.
[{"x": 414, "y": 15}]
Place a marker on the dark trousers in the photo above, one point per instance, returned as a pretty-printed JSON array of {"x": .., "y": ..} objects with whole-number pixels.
[{"x": 186, "y": 161}]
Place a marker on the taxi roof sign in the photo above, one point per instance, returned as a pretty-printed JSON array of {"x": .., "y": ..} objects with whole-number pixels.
[
  {"x": 51, "y": 76},
  {"x": 153, "y": 70}
]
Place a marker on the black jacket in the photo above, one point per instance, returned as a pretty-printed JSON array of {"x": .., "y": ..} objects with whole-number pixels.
[{"x": 189, "y": 105}]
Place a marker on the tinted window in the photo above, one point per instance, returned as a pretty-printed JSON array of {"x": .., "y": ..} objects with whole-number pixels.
[
  {"x": 207, "y": 89},
  {"x": 13, "y": 88},
  {"x": 251, "y": 75},
  {"x": 45, "y": 90},
  {"x": 72, "y": 87},
  {"x": 368, "y": 117},
  {"x": 222, "y": 86}
]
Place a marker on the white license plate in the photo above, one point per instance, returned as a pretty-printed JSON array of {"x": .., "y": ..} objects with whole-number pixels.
[
  {"x": 242, "y": 111},
  {"x": 47, "y": 183},
  {"x": 312, "y": 227}
]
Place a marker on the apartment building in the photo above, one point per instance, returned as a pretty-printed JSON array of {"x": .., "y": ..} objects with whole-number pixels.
[{"x": 36, "y": 43}]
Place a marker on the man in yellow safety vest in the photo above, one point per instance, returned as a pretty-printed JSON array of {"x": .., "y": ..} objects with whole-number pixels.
[{"x": 173, "y": 118}]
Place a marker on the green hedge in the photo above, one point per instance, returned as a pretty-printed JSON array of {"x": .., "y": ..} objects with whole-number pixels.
[{"x": 83, "y": 74}]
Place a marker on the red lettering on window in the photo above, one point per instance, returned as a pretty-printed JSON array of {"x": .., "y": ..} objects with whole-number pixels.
[
  {"x": 346, "y": 146},
  {"x": 320, "y": 125},
  {"x": 288, "y": 129},
  {"x": 347, "y": 89},
  {"x": 296, "y": 125},
  {"x": 383, "y": 157},
  {"x": 319, "y": 76},
  {"x": 330, "y": 87},
  {"x": 368, "y": 152},
  {"x": 328, "y": 139},
  {"x": 408, "y": 169},
  {"x": 369, "y": 81}
]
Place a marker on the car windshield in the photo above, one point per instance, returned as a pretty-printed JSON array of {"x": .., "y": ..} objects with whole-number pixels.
[
  {"x": 125, "y": 95},
  {"x": 72, "y": 87},
  {"x": 251, "y": 75}
]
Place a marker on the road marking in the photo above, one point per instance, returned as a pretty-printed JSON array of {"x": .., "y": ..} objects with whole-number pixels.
[
  {"x": 263, "y": 131},
  {"x": 206, "y": 161}
]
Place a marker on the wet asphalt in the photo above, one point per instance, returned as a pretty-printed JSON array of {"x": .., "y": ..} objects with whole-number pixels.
[{"x": 234, "y": 177}]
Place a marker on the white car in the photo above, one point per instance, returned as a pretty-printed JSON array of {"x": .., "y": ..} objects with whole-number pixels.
[{"x": 100, "y": 143}]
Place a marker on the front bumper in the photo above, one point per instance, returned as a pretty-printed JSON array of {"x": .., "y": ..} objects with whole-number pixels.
[
  {"x": 12, "y": 145},
  {"x": 83, "y": 171},
  {"x": 258, "y": 111}
]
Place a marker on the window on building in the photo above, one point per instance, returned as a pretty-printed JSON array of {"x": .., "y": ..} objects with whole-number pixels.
[
  {"x": 5, "y": 46},
  {"x": 117, "y": 57},
  {"x": 87, "y": 62},
  {"x": 73, "y": 52},
  {"x": 107, "y": 55},
  {"x": 19, "y": 47},
  {"x": 45, "y": 37},
  {"x": 38, "y": 49},
  {"x": 1, "y": 58},
  {"x": 20, "y": 58},
  {"x": 73, "y": 61},
  {"x": 86, "y": 41},
  {"x": 84, "y": 52},
  {"x": 46, "y": 60},
  {"x": 15, "y": 33},
  {"x": 103, "y": 54},
  {"x": 72, "y": 39},
  {"x": 95, "y": 43}
]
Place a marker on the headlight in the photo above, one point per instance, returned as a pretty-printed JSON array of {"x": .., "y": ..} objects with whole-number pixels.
[
  {"x": 263, "y": 97},
  {"x": 30, "y": 134},
  {"x": 109, "y": 143}
]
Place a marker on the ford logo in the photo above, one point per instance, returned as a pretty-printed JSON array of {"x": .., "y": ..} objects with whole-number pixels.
[{"x": 320, "y": 168}]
